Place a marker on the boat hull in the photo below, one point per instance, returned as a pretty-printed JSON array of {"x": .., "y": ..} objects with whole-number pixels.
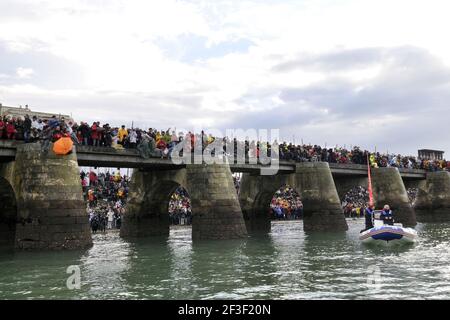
[{"x": 389, "y": 234}]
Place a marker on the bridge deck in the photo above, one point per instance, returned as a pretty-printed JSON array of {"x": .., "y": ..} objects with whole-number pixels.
[{"x": 110, "y": 157}]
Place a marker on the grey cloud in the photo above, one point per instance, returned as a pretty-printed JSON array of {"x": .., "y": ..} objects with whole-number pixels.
[
  {"x": 410, "y": 79},
  {"x": 337, "y": 60}
]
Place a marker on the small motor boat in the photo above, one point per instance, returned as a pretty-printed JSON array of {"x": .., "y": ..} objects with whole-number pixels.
[{"x": 383, "y": 233}]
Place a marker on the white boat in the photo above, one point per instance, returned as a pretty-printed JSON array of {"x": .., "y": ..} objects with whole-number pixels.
[{"x": 385, "y": 234}]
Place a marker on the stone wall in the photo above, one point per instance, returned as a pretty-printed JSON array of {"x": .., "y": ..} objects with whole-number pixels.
[
  {"x": 51, "y": 209},
  {"x": 215, "y": 205},
  {"x": 322, "y": 207},
  {"x": 388, "y": 188},
  {"x": 433, "y": 199}
]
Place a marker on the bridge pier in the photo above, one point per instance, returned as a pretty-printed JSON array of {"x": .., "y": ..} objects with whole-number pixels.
[
  {"x": 322, "y": 207},
  {"x": 215, "y": 205},
  {"x": 8, "y": 206},
  {"x": 388, "y": 188},
  {"x": 51, "y": 212},
  {"x": 433, "y": 199}
]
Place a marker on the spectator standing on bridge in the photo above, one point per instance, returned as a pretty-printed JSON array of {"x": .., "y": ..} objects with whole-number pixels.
[
  {"x": 95, "y": 134},
  {"x": 46, "y": 137},
  {"x": 53, "y": 122},
  {"x": 10, "y": 129},
  {"x": 2, "y": 127},
  {"x": 133, "y": 139},
  {"x": 27, "y": 128},
  {"x": 84, "y": 132},
  {"x": 122, "y": 133}
]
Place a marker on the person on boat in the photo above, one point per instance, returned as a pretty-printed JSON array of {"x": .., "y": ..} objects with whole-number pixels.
[
  {"x": 386, "y": 215},
  {"x": 368, "y": 215}
]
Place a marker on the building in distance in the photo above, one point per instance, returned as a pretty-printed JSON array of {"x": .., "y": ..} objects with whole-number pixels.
[
  {"x": 15, "y": 112},
  {"x": 428, "y": 154}
]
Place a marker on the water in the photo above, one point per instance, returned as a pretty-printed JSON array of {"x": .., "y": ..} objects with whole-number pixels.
[{"x": 285, "y": 264}]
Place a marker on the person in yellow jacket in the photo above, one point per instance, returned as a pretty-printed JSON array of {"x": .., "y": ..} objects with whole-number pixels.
[
  {"x": 210, "y": 139},
  {"x": 122, "y": 133},
  {"x": 117, "y": 176},
  {"x": 373, "y": 162},
  {"x": 158, "y": 137}
]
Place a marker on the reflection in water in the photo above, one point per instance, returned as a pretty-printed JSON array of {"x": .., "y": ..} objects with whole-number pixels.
[
  {"x": 285, "y": 264},
  {"x": 180, "y": 248},
  {"x": 105, "y": 265},
  {"x": 289, "y": 261}
]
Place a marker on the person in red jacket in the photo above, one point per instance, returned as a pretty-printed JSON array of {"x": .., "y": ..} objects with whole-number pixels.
[
  {"x": 57, "y": 134},
  {"x": 94, "y": 134},
  {"x": 10, "y": 130},
  {"x": 161, "y": 144},
  {"x": 2, "y": 128}
]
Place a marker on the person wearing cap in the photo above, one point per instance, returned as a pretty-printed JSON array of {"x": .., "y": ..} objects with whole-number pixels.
[{"x": 386, "y": 215}]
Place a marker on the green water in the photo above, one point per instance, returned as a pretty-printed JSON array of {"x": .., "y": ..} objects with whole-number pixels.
[{"x": 285, "y": 264}]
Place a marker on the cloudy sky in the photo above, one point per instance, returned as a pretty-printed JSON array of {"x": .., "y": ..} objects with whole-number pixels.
[{"x": 367, "y": 73}]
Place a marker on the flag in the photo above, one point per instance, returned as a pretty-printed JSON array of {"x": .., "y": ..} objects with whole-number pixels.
[{"x": 371, "y": 201}]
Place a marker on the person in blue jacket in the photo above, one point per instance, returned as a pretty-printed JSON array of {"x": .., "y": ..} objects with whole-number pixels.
[
  {"x": 368, "y": 215},
  {"x": 387, "y": 215}
]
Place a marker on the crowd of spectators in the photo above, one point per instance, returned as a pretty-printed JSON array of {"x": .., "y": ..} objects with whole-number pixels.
[
  {"x": 180, "y": 208},
  {"x": 106, "y": 197},
  {"x": 286, "y": 204},
  {"x": 310, "y": 153},
  {"x": 160, "y": 143},
  {"x": 355, "y": 202},
  {"x": 104, "y": 186}
]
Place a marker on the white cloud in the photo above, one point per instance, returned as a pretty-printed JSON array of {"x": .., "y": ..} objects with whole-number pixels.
[{"x": 24, "y": 73}]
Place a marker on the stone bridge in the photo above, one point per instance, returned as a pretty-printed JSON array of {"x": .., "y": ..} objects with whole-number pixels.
[{"x": 42, "y": 207}]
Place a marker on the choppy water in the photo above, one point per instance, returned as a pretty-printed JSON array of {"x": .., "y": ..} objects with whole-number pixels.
[{"x": 285, "y": 264}]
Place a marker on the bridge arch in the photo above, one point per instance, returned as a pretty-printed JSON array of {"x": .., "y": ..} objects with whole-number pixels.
[
  {"x": 255, "y": 198},
  {"x": 147, "y": 210},
  {"x": 157, "y": 205},
  {"x": 8, "y": 213}
]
